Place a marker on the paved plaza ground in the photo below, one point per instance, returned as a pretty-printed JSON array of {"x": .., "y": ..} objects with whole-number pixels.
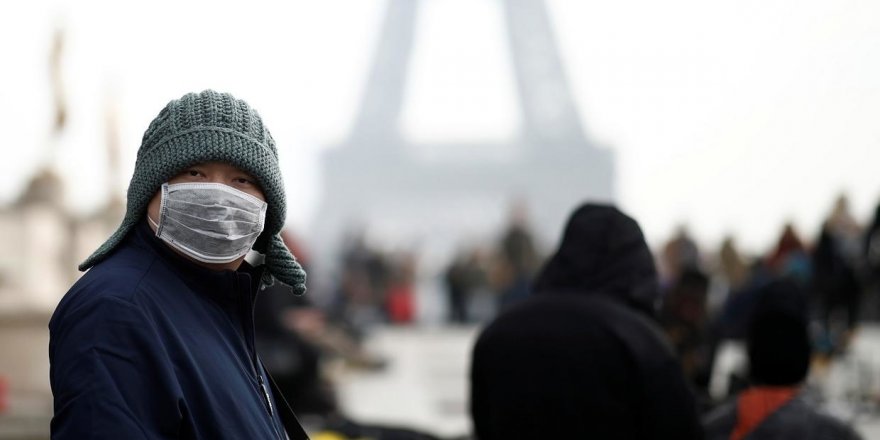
[{"x": 425, "y": 385}]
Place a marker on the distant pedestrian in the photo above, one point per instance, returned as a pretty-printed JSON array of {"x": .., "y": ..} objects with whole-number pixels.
[
  {"x": 464, "y": 277},
  {"x": 837, "y": 262},
  {"x": 518, "y": 258}
]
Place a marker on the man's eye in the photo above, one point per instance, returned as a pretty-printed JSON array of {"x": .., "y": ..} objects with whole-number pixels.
[
  {"x": 193, "y": 173},
  {"x": 243, "y": 180}
]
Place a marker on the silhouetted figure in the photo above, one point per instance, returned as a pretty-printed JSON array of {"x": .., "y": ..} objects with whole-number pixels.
[
  {"x": 469, "y": 287},
  {"x": 836, "y": 263},
  {"x": 582, "y": 357},
  {"x": 363, "y": 287},
  {"x": 733, "y": 267},
  {"x": 679, "y": 254},
  {"x": 457, "y": 290},
  {"x": 871, "y": 257},
  {"x": 684, "y": 318},
  {"x": 779, "y": 358},
  {"x": 790, "y": 258},
  {"x": 518, "y": 258},
  {"x": 400, "y": 301}
]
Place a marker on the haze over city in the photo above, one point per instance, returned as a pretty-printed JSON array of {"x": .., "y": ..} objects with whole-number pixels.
[{"x": 714, "y": 111}]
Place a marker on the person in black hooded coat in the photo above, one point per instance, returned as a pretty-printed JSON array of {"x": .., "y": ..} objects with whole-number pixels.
[
  {"x": 775, "y": 405},
  {"x": 582, "y": 357}
]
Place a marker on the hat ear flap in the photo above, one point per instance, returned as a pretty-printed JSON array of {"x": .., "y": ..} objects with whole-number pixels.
[{"x": 283, "y": 265}]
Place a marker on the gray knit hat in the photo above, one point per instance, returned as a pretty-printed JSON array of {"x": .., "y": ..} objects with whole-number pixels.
[{"x": 206, "y": 127}]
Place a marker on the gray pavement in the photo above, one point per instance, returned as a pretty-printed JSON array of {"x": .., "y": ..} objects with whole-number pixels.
[{"x": 425, "y": 385}]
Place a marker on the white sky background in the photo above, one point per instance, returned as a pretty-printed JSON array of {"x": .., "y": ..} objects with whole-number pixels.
[{"x": 728, "y": 116}]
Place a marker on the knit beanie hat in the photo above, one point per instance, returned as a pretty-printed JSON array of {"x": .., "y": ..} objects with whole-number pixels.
[
  {"x": 778, "y": 339},
  {"x": 205, "y": 127}
]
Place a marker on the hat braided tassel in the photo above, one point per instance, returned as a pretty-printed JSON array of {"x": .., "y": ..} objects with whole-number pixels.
[{"x": 283, "y": 265}]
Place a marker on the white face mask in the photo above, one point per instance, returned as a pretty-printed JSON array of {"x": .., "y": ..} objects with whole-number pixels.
[{"x": 210, "y": 222}]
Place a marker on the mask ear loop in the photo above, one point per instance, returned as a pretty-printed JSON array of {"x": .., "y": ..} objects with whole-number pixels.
[
  {"x": 153, "y": 223},
  {"x": 161, "y": 209}
]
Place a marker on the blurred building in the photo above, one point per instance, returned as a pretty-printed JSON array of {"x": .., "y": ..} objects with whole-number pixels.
[
  {"x": 379, "y": 181},
  {"x": 41, "y": 244}
]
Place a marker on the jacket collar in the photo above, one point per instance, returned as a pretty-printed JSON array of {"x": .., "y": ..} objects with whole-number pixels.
[{"x": 220, "y": 284}]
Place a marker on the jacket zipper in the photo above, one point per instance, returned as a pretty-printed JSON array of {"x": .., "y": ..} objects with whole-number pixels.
[
  {"x": 266, "y": 394},
  {"x": 247, "y": 304}
]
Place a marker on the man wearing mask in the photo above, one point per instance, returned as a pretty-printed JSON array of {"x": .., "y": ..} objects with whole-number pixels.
[{"x": 156, "y": 341}]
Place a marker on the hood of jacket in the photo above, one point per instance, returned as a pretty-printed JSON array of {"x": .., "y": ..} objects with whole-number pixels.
[{"x": 603, "y": 252}]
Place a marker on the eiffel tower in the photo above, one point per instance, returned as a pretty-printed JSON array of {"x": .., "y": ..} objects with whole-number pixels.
[{"x": 376, "y": 179}]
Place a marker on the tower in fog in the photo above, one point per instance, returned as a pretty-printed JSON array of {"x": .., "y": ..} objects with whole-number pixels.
[{"x": 376, "y": 179}]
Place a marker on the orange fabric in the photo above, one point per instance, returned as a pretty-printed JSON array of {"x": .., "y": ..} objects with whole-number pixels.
[{"x": 755, "y": 404}]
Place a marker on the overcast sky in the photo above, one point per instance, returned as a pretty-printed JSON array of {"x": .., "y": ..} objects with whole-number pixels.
[{"x": 730, "y": 117}]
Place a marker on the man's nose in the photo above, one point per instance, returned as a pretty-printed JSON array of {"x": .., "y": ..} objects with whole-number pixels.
[{"x": 217, "y": 178}]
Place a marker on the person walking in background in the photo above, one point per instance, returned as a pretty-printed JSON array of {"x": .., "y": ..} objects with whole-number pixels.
[
  {"x": 583, "y": 357},
  {"x": 836, "y": 265},
  {"x": 400, "y": 302},
  {"x": 517, "y": 258},
  {"x": 779, "y": 359},
  {"x": 684, "y": 287},
  {"x": 458, "y": 289},
  {"x": 363, "y": 285},
  {"x": 871, "y": 255},
  {"x": 684, "y": 318},
  {"x": 680, "y": 254},
  {"x": 156, "y": 340},
  {"x": 790, "y": 257},
  {"x": 732, "y": 266},
  {"x": 465, "y": 280}
]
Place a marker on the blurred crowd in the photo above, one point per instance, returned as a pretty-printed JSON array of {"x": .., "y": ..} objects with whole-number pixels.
[
  {"x": 298, "y": 337},
  {"x": 697, "y": 301},
  {"x": 708, "y": 299}
]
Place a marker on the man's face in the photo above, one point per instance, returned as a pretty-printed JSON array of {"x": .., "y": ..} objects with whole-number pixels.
[{"x": 210, "y": 172}]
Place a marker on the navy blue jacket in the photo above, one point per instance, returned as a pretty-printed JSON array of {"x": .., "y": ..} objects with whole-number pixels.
[{"x": 148, "y": 345}]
